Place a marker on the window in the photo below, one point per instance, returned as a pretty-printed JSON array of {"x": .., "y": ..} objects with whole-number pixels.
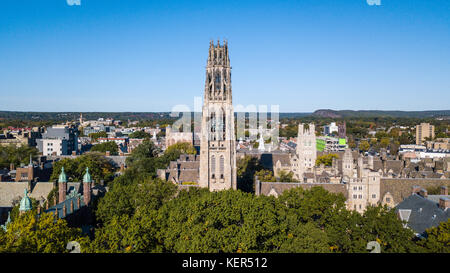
[
  {"x": 213, "y": 166},
  {"x": 374, "y": 196},
  {"x": 222, "y": 165}
]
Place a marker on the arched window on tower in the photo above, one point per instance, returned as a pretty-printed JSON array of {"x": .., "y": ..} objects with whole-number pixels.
[
  {"x": 223, "y": 125},
  {"x": 213, "y": 124},
  {"x": 218, "y": 83},
  {"x": 213, "y": 166},
  {"x": 222, "y": 166}
]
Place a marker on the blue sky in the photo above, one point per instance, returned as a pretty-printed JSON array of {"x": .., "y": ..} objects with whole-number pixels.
[{"x": 151, "y": 55}]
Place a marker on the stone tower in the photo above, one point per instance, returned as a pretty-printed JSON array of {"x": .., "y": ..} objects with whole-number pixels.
[
  {"x": 217, "y": 141},
  {"x": 347, "y": 165},
  {"x": 62, "y": 186},
  {"x": 306, "y": 149},
  {"x": 87, "y": 187}
]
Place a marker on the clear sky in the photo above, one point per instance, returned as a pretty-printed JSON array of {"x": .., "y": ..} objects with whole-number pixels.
[{"x": 150, "y": 55}]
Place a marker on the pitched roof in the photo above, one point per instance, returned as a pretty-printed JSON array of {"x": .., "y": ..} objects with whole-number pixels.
[{"x": 424, "y": 213}]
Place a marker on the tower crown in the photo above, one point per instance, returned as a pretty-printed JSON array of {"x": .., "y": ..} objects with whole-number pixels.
[
  {"x": 25, "y": 203},
  {"x": 87, "y": 176},
  {"x": 218, "y": 73},
  {"x": 62, "y": 176},
  {"x": 218, "y": 54}
]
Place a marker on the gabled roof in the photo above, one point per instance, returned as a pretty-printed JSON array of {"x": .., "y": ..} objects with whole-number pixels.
[{"x": 424, "y": 213}]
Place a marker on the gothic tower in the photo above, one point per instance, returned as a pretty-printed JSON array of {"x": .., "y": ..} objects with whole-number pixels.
[
  {"x": 306, "y": 150},
  {"x": 347, "y": 165},
  {"x": 217, "y": 143}
]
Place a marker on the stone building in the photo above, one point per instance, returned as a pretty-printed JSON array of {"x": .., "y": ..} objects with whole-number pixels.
[
  {"x": 173, "y": 137},
  {"x": 424, "y": 130},
  {"x": 217, "y": 140},
  {"x": 183, "y": 171},
  {"x": 306, "y": 151}
]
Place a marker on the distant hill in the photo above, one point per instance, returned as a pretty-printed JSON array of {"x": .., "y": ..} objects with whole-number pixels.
[
  {"x": 328, "y": 113},
  {"x": 124, "y": 116},
  {"x": 67, "y": 116}
]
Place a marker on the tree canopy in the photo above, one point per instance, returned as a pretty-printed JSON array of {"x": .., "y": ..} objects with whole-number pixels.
[
  {"x": 31, "y": 234},
  {"x": 100, "y": 167},
  {"x": 139, "y": 134},
  {"x": 104, "y": 147},
  {"x": 16, "y": 155},
  {"x": 326, "y": 159}
]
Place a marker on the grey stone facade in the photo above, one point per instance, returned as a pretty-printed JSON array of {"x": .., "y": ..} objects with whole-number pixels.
[{"x": 217, "y": 140}]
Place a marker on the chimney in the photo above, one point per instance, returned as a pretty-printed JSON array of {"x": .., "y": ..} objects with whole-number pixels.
[
  {"x": 64, "y": 210},
  {"x": 11, "y": 167},
  {"x": 78, "y": 203},
  {"x": 415, "y": 189},
  {"x": 71, "y": 206},
  {"x": 444, "y": 203},
  {"x": 74, "y": 152},
  {"x": 108, "y": 153},
  {"x": 46, "y": 205},
  {"x": 423, "y": 193},
  {"x": 56, "y": 212},
  {"x": 444, "y": 190},
  {"x": 39, "y": 209}
]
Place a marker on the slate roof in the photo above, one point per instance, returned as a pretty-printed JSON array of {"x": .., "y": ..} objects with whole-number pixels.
[
  {"x": 67, "y": 202},
  {"x": 11, "y": 191},
  {"x": 117, "y": 160},
  {"x": 423, "y": 212}
]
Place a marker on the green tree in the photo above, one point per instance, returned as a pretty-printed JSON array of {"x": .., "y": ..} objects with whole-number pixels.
[
  {"x": 287, "y": 176},
  {"x": 100, "y": 167},
  {"x": 16, "y": 155},
  {"x": 265, "y": 176},
  {"x": 437, "y": 239},
  {"x": 128, "y": 213},
  {"x": 381, "y": 224},
  {"x": 182, "y": 148},
  {"x": 30, "y": 234},
  {"x": 104, "y": 147},
  {"x": 125, "y": 199},
  {"x": 95, "y": 136},
  {"x": 139, "y": 134},
  {"x": 225, "y": 221},
  {"x": 384, "y": 142},
  {"x": 364, "y": 145},
  {"x": 327, "y": 159}
]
